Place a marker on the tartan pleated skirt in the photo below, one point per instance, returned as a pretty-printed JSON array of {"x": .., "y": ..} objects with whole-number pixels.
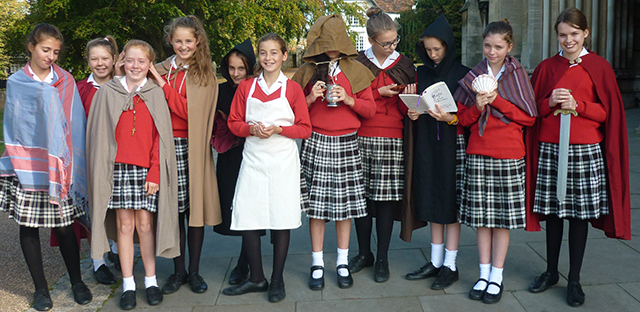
[
  {"x": 32, "y": 208},
  {"x": 182, "y": 160},
  {"x": 382, "y": 168},
  {"x": 493, "y": 193},
  {"x": 332, "y": 182},
  {"x": 128, "y": 189},
  {"x": 461, "y": 153},
  {"x": 586, "y": 182}
]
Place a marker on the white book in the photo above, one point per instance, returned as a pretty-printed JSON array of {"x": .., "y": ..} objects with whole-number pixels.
[{"x": 435, "y": 93}]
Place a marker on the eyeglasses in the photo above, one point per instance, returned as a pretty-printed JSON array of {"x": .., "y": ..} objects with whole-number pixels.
[{"x": 388, "y": 45}]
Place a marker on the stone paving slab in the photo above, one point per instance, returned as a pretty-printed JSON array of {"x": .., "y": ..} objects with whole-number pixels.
[
  {"x": 609, "y": 297},
  {"x": 395, "y": 304},
  {"x": 461, "y": 302}
]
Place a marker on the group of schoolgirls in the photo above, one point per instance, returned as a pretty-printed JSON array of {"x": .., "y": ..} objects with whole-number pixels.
[{"x": 492, "y": 165}]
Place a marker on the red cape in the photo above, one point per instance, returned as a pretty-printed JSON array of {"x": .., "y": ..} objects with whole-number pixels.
[{"x": 617, "y": 224}]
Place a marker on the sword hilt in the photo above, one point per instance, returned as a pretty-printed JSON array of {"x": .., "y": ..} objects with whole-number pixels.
[{"x": 565, "y": 112}]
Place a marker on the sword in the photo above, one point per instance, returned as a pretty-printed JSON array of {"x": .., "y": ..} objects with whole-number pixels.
[{"x": 563, "y": 151}]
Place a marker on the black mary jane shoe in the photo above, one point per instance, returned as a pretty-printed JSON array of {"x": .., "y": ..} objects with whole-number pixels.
[
  {"x": 381, "y": 271},
  {"x": 174, "y": 282},
  {"x": 543, "y": 282},
  {"x": 575, "y": 295},
  {"x": 246, "y": 287},
  {"x": 237, "y": 275},
  {"x": 128, "y": 300},
  {"x": 276, "y": 290},
  {"x": 344, "y": 281},
  {"x": 81, "y": 293},
  {"x": 115, "y": 259},
  {"x": 316, "y": 283},
  {"x": 475, "y": 294},
  {"x": 492, "y": 298},
  {"x": 154, "y": 295},
  {"x": 197, "y": 283},
  {"x": 42, "y": 300},
  {"x": 104, "y": 276},
  {"x": 360, "y": 262},
  {"x": 445, "y": 278},
  {"x": 426, "y": 271}
]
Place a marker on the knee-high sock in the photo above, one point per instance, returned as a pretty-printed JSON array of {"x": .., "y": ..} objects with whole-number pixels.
[
  {"x": 578, "y": 230},
  {"x": 179, "y": 261},
  {"x": 30, "y": 243},
  {"x": 280, "y": 240},
  {"x": 363, "y": 231},
  {"x": 196, "y": 237},
  {"x": 70, "y": 252},
  {"x": 254, "y": 255},
  {"x": 384, "y": 226},
  {"x": 554, "y": 241}
]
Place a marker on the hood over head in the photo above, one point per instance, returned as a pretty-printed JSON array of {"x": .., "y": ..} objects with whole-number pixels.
[
  {"x": 440, "y": 29},
  {"x": 245, "y": 48},
  {"x": 328, "y": 33}
]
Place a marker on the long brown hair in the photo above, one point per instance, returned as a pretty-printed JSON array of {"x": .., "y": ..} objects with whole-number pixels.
[
  {"x": 200, "y": 67},
  {"x": 42, "y": 32},
  {"x": 575, "y": 18},
  {"x": 108, "y": 43},
  {"x": 270, "y": 36}
]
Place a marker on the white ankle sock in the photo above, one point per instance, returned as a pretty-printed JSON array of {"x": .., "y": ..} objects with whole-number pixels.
[
  {"x": 450, "y": 259},
  {"x": 437, "y": 254},
  {"x": 485, "y": 271},
  {"x": 97, "y": 263},
  {"x": 128, "y": 284},
  {"x": 496, "y": 276},
  {"x": 317, "y": 259},
  {"x": 114, "y": 247},
  {"x": 150, "y": 281},
  {"x": 343, "y": 258}
]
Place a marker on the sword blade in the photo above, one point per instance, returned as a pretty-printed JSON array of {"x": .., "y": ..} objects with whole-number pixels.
[{"x": 563, "y": 157}]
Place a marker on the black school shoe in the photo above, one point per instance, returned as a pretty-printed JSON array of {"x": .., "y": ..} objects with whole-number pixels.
[
  {"x": 246, "y": 287},
  {"x": 344, "y": 281},
  {"x": 475, "y": 294},
  {"x": 543, "y": 282},
  {"x": 154, "y": 295},
  {"x": 316, "y": 283},
  {"x": 360, "y": 262},
  {"x": 42, "y": 300},
  {"x": 446, "y": 277},
  {"x": 426, "y": 271},
  {"x": 174, "y": 282},
  {"x": 276, "y": 290},
  {"x": 197, "y": 283},
  {"x": 575, "y": 296},
  {"x": 115, "y": 259},
  {"x": 492, "y": 298},
  {"x": 81, "y": 293},
  {"x": 128, "y": 300},
  {"x": 238, "y": 275},
  {"x": 104, "y": 276},
  {"x": 381, "y": 271}
]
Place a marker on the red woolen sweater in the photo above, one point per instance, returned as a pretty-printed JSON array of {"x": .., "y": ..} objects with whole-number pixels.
[
  {"x": 140, "y": 149},
  {"x": 175, "y": 91}
]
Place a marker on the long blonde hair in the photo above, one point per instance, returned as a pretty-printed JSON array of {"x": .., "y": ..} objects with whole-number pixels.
[{"x": 200, "y": 67}]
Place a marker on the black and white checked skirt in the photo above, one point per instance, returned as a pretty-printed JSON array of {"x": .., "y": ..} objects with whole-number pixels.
[
  {"x": 332, "y": 177},
  {"x": 128, "y": 189},
  {"x": 586, "y": 182},
  {"x": 32, "y": 208},
  {"x": 382, "y": 168},
  {"x": 461, "y": 153},
  {"x": 182, "y": 157},
  {"x": 493, "y": 193}
]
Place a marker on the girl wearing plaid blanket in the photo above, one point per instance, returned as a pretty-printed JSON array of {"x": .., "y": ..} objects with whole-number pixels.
[
  {"x": 494, "y": 189},
  {"x": 191, "y": 89}
]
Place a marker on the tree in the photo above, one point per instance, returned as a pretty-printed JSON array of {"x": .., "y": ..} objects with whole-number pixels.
[
  {"x": 227, "y": 22},
  {"x": 13, "y": 11},
  {"x": 414, "y": 22}
]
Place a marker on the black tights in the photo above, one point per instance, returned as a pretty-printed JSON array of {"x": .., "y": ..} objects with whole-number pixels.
[
  {"x": 196, "y": 237},
  {"x": 384, "y": 227},
  {"x": 30, "y": 242},
  {"x": 251, "y": 246},
  {"x": 578, "y": 230}
]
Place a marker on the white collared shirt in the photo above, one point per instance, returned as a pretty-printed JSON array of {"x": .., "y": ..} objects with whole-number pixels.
[
  {"x": 582, "y": 53},
  {"x": 92, "y": 81},
  {"x": 282, "y": 79},
  {"x": 388, "y": 61},
  {"x": 174, "y": 66},
  {"x": 48, "y": 79},
  {"x": 504, "y": 66},
  {"x": 123, "y": 81}
]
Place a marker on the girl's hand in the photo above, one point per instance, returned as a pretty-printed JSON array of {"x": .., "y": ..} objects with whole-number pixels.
[
  {"x": 151, "y": 188},
  {"x": 570, "y": 104},
  {"x": 560, "y": 96},
  {"x": 153, "y": 74},
  {"x": 269, "y": 131},
  {"x": 119, "y": 67},
  {"x": 255, "y": 128},
  {"x": 410, "y": 89},
  {"x": 413, "y": 115},
  {"x": 440, "y": 115},
  {"x": 340, "y": 95},
  {"x": 386, "y": 90},
  {"x": 482, "y": 99},
  {"x": 316, "y": 91},
  {"x": 492, "y": 96}
]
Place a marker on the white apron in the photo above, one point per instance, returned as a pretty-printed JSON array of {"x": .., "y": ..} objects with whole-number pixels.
[{"x": 267, "y": 193}]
